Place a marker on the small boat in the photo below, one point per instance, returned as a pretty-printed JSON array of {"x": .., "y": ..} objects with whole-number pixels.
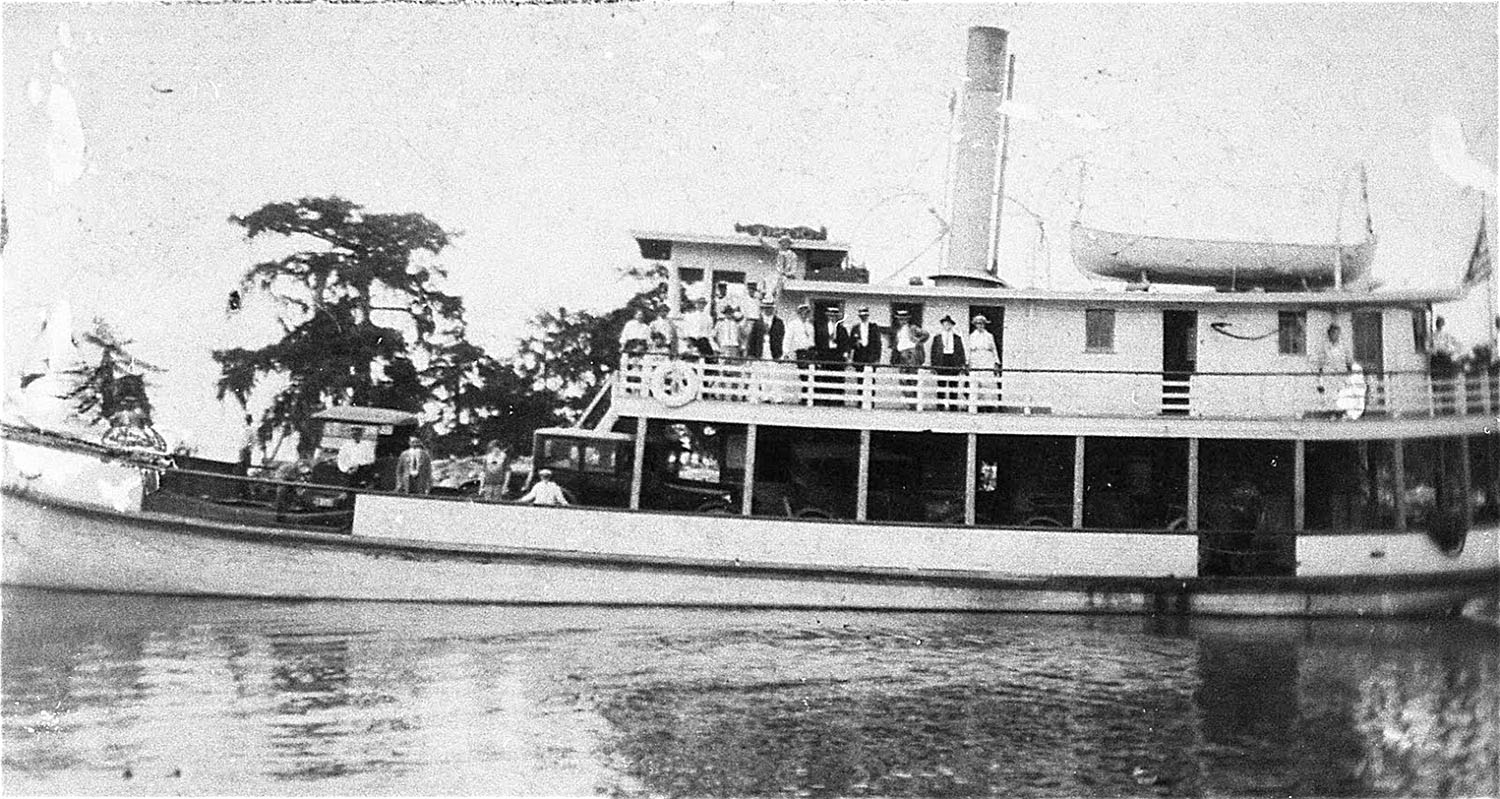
[{"x": 1229, "y": 265}]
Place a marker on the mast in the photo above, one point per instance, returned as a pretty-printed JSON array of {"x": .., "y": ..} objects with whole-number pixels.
[{"x": 998, "y": 212}]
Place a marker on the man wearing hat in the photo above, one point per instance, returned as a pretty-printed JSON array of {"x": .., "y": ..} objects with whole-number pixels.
[
  {"x": 864, "y": 340},
  {"x": 908, "y": 342},
  {"x": 785, "y": 265},
  {"x": 947, "y": 358},
  {"x": 767, "y": 333},
  {"x": 799, "y": 337},
  {"x": 831, "y": 350}
]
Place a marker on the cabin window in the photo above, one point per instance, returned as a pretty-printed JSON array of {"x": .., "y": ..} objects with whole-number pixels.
[
  {"x": 1291, "y": 332},
  {"x": 558, "y": 453},
  {"x": 1419, "y": 329},
  {"x": 599, "y": 458},
  {"x": 1099, "y": 330}
]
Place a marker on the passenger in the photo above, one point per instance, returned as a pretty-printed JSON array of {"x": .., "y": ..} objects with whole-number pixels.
[
  {"x": 635, "y": 336},
  {"x": 865, "y": 348},
  {"x": 775, "y": 381},
  {"x": 948, "y": 361},
  {"x": 1443, "y": 359},
  {"x": 664, "y": 327},
  {"x": 496, "y": 474},
  {"x": 698, "y": 329},
  {"x": 909, "y": 342},
  {"x": 984, "y": 362},
  {"x": 831, "y": 350},
  {"x": 545, "y": 492},
  {"x": 1334, "y": 357},
  {"x": 785, "y": 266},
  {"x": 414, "y": 468},
  {"x": 357, "y": 453},
  {"x": 728, "y": 338}
]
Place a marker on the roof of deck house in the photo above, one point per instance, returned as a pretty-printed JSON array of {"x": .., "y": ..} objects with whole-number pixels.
[
  {"x": 1117, "y": 296},
  {"x": 735, "y": 240}
]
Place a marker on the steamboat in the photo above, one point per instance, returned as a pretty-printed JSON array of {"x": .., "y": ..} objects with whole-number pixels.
[{"x": 1271, "y": 443}]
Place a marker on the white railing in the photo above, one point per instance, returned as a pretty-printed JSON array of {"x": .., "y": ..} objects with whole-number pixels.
[{"x": 1066, "y": 392}]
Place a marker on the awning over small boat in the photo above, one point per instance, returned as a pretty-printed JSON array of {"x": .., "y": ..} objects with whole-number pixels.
[
  {"x": 1218, "y": 263},
  {"x": 352, "y": 414}
]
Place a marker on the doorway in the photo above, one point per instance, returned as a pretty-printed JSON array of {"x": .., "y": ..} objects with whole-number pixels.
[
  {"x": 1179, "y": 360},
  {"x": 1369, "y": 342}
]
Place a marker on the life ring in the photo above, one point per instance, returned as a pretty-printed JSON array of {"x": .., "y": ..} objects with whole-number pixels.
[{"x": 675, "y": 383}]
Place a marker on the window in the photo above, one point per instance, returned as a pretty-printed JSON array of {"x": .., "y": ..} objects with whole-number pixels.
[
  {"x": 1099, "y": 330},
  {"x": 558, "y": 453},
  {"x": 599, "y": 458},
  {"x": 1419, "y": 328},
  {"x": 1291, "y": 332}
]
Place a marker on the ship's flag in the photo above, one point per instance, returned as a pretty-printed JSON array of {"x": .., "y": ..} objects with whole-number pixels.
[{"x": 1481, "y": 261}]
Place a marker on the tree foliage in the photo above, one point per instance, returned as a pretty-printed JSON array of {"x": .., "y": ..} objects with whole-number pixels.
[
  {"x": 118, "y": 378},
  {"x": 354, "y": 264},
  {"x": 572, "y": 353}
]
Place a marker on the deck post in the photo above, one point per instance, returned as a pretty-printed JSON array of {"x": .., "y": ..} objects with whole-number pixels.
[
  {"x": 1398, "y": 473},
  {"x": 1192, "y": 485},
  {"x": 971, "y": 480},
  {"x": 862, "y": 493},
  {"x": 1077, "y": 482},
  {"x": 1299, "y": 485},
  {"x": 749, "y": 489},
  {"x": 1466, "y": 481},
  {"x": 638, "y": 469}
]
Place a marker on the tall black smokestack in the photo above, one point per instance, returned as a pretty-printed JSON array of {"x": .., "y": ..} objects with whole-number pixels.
[{"x": 974, "y": 162}]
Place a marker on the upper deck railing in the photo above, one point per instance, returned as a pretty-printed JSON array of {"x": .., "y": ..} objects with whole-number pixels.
[{"x": 1209, "y": 395}]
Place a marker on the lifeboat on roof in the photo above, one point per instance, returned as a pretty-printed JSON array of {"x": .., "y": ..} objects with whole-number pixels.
[{"x": 1233, "y": 265}]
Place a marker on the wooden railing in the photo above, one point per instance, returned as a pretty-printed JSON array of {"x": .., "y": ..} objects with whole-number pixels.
[{"x": 1223, "y": 395}]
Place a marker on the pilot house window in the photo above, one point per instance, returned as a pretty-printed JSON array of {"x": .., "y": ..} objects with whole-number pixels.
[
  {"x": 1291, "y": 333},
  {"x": 1099, "y": 330}
]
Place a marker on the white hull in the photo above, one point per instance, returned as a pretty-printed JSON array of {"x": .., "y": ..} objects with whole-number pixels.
[{"x": 451, "y": 551}]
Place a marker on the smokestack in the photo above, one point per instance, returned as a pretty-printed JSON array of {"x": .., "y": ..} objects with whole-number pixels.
[{"x": 974, "y": 163}]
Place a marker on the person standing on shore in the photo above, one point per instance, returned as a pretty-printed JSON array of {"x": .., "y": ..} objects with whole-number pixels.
[{"x": 496, "y": 474}]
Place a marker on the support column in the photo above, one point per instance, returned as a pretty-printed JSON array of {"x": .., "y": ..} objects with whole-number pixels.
[
  {"x": 1192, "y": 488},
  {"x": 638, "y": 469},
  {"x": 1077, "y": 481},
  {"x": 1466, "y": 481},
  {"x": 862, "y": 493},
  {"x": 1299, "y": 485},
  {"x": 1398, "y": 471},
  {"x": 748, "y": 492},
  {"x": 972, "y": 480}
]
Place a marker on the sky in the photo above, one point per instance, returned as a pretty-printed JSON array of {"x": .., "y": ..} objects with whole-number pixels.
[{"x": 544, "y": 134}]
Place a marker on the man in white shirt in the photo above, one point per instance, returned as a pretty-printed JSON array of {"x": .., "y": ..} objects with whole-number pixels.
[
  {"x": 636, "y": 335},
  {"x": 545, "y": 492},
  {"x": 698, "y": 328},
  {"x": 358, "y": 452}
]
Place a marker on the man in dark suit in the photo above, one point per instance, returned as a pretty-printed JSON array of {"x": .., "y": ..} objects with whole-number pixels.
[
  {"x": 766, "y": 334},
  {"x": 947, "y": 359},
  {"x": 864, "y": 340},
  {"x": 831, "y": 350}
]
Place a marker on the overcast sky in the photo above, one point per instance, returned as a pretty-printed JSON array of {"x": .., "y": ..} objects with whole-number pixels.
[{"x": 544, "y": 134}]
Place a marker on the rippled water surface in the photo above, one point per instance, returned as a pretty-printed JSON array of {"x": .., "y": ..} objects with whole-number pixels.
[{"x": 120, "y": 695}]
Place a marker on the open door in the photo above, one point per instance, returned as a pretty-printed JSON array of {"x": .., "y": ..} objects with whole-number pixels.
[
  {"x": 1179, "y": 360},
  {"x": 1369, "y": 342}
]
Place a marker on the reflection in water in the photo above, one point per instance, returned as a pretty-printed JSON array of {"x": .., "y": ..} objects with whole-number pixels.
[{"x": 210, "y": 696}]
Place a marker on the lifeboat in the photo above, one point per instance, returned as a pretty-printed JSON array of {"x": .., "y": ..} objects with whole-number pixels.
[{"x": 1231, "y": 265}]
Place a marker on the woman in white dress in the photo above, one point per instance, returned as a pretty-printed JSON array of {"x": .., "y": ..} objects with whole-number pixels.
[{"x": 984, "y": 360}]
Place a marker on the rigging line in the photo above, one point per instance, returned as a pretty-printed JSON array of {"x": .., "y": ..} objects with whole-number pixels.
[{"x": 916, "y": 257}]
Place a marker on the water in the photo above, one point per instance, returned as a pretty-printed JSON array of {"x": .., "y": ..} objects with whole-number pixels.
[{"x": 214, "y": 696}]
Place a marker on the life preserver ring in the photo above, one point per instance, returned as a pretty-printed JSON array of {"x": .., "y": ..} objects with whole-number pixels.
[{"x": 675, "y": 383}]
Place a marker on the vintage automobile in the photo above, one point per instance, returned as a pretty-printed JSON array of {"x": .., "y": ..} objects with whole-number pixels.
[{"x": 595, "y": 467}]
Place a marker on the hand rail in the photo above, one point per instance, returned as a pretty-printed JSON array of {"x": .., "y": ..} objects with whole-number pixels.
[{"x": 1076, "y": 392}]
